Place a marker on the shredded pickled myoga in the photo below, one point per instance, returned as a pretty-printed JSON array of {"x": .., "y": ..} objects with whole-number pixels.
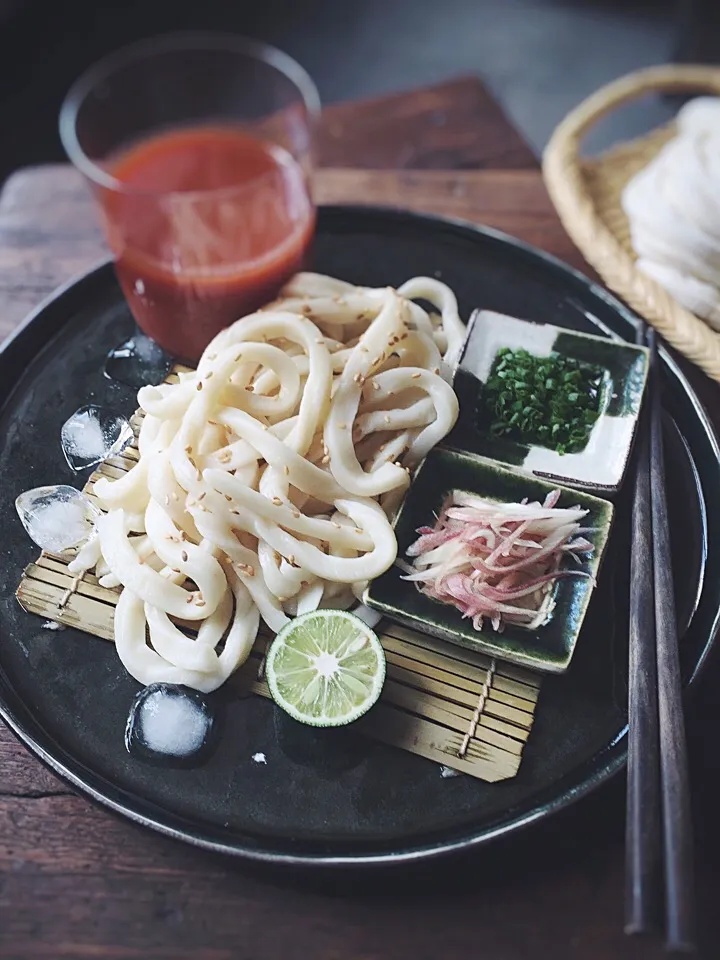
[
  {"x": 498, "y": 561},
  {"x": 267, "y": 477}
]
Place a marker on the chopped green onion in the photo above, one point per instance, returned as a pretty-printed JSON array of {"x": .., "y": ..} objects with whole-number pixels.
[{"x": 553, "y": 401}]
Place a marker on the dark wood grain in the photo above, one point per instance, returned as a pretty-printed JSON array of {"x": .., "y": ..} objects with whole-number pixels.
[
  {"x": 49, "y": 231},
  {"x": 77, "y": 882},
  {"x": 452, "y": 126}
]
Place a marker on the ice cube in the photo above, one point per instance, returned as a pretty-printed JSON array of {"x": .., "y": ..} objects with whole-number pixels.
[
  {"x": 57, "y": 518},
  {"x": 91, "y": 435},
  {"x": 168, "y": 721},
  {"x": 137, "y": 362}
]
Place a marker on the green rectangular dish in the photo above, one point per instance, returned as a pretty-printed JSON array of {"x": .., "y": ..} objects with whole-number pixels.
[{"x": 548, "y": 648}]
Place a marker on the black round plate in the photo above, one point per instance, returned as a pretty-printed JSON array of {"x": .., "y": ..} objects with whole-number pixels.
[{"x": 334, "y": 799}]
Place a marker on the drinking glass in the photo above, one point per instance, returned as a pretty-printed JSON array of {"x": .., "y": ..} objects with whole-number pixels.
[{"x": 198, "y": 149}]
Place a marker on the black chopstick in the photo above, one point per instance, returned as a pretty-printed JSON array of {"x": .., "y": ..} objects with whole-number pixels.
[
  {"x": 674, "y": 781},
  {"x": 643, "y": 843}
]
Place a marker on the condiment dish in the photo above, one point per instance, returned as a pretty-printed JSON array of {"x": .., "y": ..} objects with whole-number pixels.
[
  {"x": 548, "y": 648},
  {"x": 600, "y": 464}
]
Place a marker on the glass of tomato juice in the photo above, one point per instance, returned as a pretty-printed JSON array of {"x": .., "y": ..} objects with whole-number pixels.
[{"x": 198, "y": 149}]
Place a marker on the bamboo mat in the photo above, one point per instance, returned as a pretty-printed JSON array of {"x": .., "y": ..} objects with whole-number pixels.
[{"x": 454, "y": 706}]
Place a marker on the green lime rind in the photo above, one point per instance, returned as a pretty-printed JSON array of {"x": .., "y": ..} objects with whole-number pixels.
[{"x": 325, "y": 668}]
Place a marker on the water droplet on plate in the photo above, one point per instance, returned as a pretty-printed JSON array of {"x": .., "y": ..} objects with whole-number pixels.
[
  {"x": 137, "y": 362},
  {"x": 91, "y": 435},
  {"x": 169, "y": 722},
  {"x": 447, "y": 772},
  {"x": 57, "y": 518}
]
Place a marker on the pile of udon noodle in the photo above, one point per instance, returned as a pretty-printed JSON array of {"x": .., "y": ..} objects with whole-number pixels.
[{"x": 267, "y": 477}]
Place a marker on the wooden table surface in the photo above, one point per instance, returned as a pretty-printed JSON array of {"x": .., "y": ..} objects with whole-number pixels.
[{"x": 78, "y": 882}]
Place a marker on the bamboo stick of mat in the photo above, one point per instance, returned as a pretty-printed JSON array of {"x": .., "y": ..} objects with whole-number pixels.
[
  {"x": 428, "y": 704},
  {"x": 674, "y": 780}
]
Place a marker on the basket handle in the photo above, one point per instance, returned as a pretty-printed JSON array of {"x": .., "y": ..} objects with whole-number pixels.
[
  {"x": 564, "y": 176},
  {"x": 670, "y": 78}
]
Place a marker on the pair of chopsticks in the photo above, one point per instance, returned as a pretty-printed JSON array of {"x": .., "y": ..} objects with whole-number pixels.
[{"x": 659, "y": 837}]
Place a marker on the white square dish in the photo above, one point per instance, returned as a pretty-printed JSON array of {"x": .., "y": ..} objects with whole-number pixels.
[{"x": 601, "y": 462}]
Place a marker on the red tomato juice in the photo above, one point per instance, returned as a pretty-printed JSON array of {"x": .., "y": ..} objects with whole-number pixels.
[{"x": 207, "y": 225}]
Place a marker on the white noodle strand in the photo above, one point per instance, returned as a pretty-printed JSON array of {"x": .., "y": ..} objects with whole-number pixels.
[{"x": 268, "y": 478}]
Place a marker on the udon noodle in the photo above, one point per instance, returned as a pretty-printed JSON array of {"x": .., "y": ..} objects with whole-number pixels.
[{"x": 267, "y": 478}]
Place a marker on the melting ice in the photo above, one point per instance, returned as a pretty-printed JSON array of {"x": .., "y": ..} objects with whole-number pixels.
[
  {"x": 168, "y": 720},
  {"x": 91, "y": 435},
  {"x": 57, "y": 518},
  {"x": 137, "y": 362}
]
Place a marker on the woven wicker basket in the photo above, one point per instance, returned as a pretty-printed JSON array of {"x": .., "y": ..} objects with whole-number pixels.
[{"x": 586, "y": 194}]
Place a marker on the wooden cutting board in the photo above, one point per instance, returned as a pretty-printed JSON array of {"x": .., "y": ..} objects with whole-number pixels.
[{"x": 49, "y": 231}]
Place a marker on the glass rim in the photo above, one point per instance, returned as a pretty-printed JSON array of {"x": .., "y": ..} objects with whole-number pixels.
[{"x": 167, "y": 43}]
